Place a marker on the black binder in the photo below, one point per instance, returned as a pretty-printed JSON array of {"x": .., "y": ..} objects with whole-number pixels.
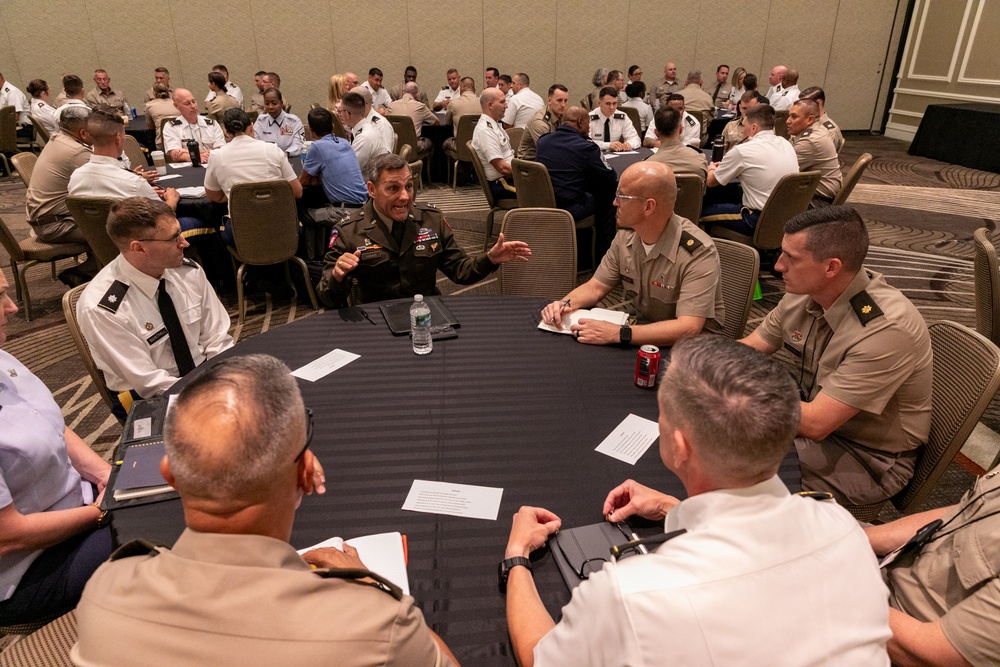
[
  {"x": 154, "y": 409},
  {"x": 397, "y": 315}
]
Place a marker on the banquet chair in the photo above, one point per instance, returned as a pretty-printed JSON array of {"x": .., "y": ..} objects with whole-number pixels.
[
  {"x": 25, "y": 254},
  {"x": 740, "y": 265},
  {"x": 416, "y": 167},
  {"x": 338, "y": 128},
  {"x": 965, "y": 377},
  {"x": 91, "y": 215},
  {"x": 987, "y": 286},
  {"x": 8, "y": 138},
  {"x": 45, "y": 642},
  {"x": 69, "y": 302},
  {"x": 460, "y": 153},
  {"x": 40, "y": 131},
  {"x": 690, "y": 193},
  {"x": 515, "y": 134},
  {"x": 403, "y": 127},
  {"x": 265, "y": 229},
  {"x": 633, "y": 115},
  {"x": 24, "y": 163},
  {"x": 134, "y": 153},
  {"x": 780, "y": 123},
  {"x": 851, "y": 179},
  {"x": 502, "y": 205},
  {"x": 551, "y": 235}
]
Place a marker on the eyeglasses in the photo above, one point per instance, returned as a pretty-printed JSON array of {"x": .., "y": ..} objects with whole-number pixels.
[
  {"x": 619, "y": 195},
  {"x": 309, "y": 434},
  {"x": 175, "y": 239}
]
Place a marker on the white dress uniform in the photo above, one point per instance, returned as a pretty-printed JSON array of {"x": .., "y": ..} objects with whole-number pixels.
[
  {"x": 646, "y": 118},
  {"x": 286, "y": 131},
  {"x": 734, "y": 590},
  {"x": 373, "y": 136},
  {"x": 784, "y": 100},
  {"x": 773, "y": 92},
  {"x": 446, "y": 93},
  {"x": 244, "y": 160},
  {"x": 522, "y": 107},
  {"x": 11, "y": 95},
  {"x": 46, "y": 115},
  {"x": 759, "y": 162},
  {"x": 125, "y": 331},
  {"x": 737, "y": 93},
  {"x": 490, "y": 142},
  {"x": 380, "y": 97},
  {"x": 621, "y": 129},
  {"x": 690, "y": 131},
  {"x": 104, "y": 177},
  {"x": 205, "y": 131},
  {"x": 232, "y": 89}
]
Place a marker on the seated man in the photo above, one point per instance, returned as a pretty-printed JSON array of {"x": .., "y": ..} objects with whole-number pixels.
[
  {"x": 394, "y": 249},
  {"x": 409, "y": 105},
  {"x": 683, "y": 159},
  {"x": 234, "y": 451},
  {"x": 942, "y": 602},
  {"x": 720, "y": 89},
  {"x": 690, "y": 126},
  {"x": 634, "y": 94},
  {"x": 667, "y": 265},
  {"x": 190, "y": 126},
  {"x": 789, "y": 93},
  {"x": 816, "y": 94},
  {"x": 732, "y": 133},
  {"x": 103, "y": 93},
  {"x": 759, "y": 163},
  {"x": 523, "y": 104},
  {"x": 582, "y": 180},
  {"x": 863, "y": 358},
  {"x": 332, "y": 164},
  {"x": 461, "y": 105},
  {"x": 696, "y": 100},
  {"x": 150, "y": 316},
  {"x": 492, "y": 144},
  {"x": 369, "y": 138},
  {"x": 814, "y": 149},
  {"x": 161, "y": 77},
  {"x": 741, "y": 559},
  {"x": 544, "y": 121},
  {"x": 380, "y": 96},
  {"x": 611, "y": 129},
  {"x": 447, "y": 93}
]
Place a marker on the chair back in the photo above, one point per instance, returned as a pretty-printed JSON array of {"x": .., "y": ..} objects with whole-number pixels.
[
  {"x": 515, "y": 134},
  {"x": 405, "y": 132},
  {"x": 253, "y": 115},
  {"x": 24, "y": 163},
  {"x": 790, "y": 197},
  {"x": 740, "y": 265},
  {"x": 551, "y": 234},
  {"x": 264, "y": 221},
  {"x": 533, "y": 184},
  {"x": 781, "y": 123},
  {"x": 463, "y": 135},
  {"x": 405, "y": 152},
  {"x": 852, "y": 178},
  {"x": 395, "y": 143},
  {"x": 477, "y": 164},
  {"x": 338, "y": 128},
  {"x": 10, "y": 243},
  {"x": 163, "y": 124},
  {"x": 39, "y": 128},
  {"x": 315, "y": 105},
  {"x": 690, "y": 192},
  {"x": 633, "y": 115},
  {"x": 69, "y": 302},
  {"x": 134, "y": 153},
  {"x": 91, "y": 216},
  {"x": 966, "y": 376},
  {"x": 8, "y": 130},
  {"x": 987, "y": 286}
]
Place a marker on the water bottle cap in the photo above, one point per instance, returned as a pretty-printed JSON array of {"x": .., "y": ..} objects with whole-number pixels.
[{"x": 418, "y": 297}]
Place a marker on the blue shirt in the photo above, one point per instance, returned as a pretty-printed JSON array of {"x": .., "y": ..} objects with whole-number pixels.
[
  {"x": 576, "y": 166},
  {"x": 333, "y": 161}
]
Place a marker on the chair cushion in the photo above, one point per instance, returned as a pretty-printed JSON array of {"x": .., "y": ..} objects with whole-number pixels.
[
  {"x": 46, "y": 252},
  {"x": 725, "y": 233}
]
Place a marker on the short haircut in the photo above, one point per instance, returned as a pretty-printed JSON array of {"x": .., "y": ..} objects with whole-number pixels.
[
  {"x": 614, "y": 75},
  {"x": 739, "y": 409},
  {"x": 73, "y": 117},
  {"x": 506, "y": 79},
  {"x": 750, "y": 82},
  {"x": 607, "y": 90},
  {"x": 675, "y": 97},
  {"x": 762, "y": 114},
  {"x": 467, "y": 83},
  {"x": 808, "y": 106},
  {"x": 791, "y": 76},
  {"x": 275, "y": 91},
  {"x": 635, "y": 89},
  {"x": 36, "y": 87},
  {"x": 275, "y": 79},
  {"x": 523, "y": 78},
  {"x": 557, "y": 86},
  {"x": 221, "y": 68},
  {"x": 72, "y": 84},
  {"x": 694, "y": 75},
  {"x": 133, "y": 218},
  {"x": 451, "y": 71},
  {"x": 632, "y": 69},
  {"x": 235, "y": 121},
  {"x": 412, "y": 88},
  {"x": 600, "y": 76},
  {"x": 667, "y": 120},
  {"x": 813, "y": 93},
  {"x": 354, "y": 103},
  {"x": 383, "y": 163},
  {"x": 496, "y": 72},
  {"x": 104, "y": 123},
  {"x": 320, "y": 122},
  {"x": 265, "y": 423},
  {"x": 833, "y": 231},
  {"x": 748, "y": 95},
  {"x": 162, "y": 70},
  {"x": 374, "y": 71},
  {"x": 719, "y": 68},
  {"x": 260, "y": 73},
  {"x": 218, "y": 80},
  {"x": 100, "y": 71},
  {"x": 411, "y": 68}
]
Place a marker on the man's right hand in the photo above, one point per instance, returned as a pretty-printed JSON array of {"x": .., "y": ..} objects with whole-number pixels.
[
  {"x": 171, "y": 197},
  {"x": 554, "y": 312},
  {"x": 345, "y": 264},
  {"x": 631, "y": 498},
  {"x": 333, "y": 557}
]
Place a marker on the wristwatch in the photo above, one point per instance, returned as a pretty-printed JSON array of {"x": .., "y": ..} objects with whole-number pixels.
[
  {"x": 625, "y": 334},
  {"x": 503, "y": 570},
  {"x": 104, "y": 514}
]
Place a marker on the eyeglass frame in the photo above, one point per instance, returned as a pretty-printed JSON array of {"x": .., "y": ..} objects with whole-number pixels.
[{"x": 309, "y": 434}]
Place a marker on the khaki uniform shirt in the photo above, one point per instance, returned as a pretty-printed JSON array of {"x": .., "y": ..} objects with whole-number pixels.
[
  {"x": 45, "y": 201},
  {"x": 150, "y": 95},
  {"x": 257, "y": 103},
  {"x": 219, "y": 599},
  {"x": 220, "y": 103},
  {"x": 838, "y": 136},
  {"x": 396, "y": 92},
  {"x": 113, "y": 98},
  {"x": 725, "y": 90},
  {"x": 870, "y": 350},
  {"x": 543, "y": 122},
  {"x": 467, "y": 103},
  {"x": 683, "y": 159},
  {"x": 417, "y": 111},
  {"x": 158, "y": 111},
  {"x": 732, "y": 133},
  {"x": 665, "y": 88},
  {"x": 815, "y": 150},
  {"x": 956, "y": 578},
  {"x": 679, "y": 276},
  {"x": 696, "y": 100}
]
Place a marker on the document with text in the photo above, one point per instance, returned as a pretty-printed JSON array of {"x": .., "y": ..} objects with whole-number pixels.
[
  {"x": 473, "y": 502},
  {"x": 603, "y": 314},
  {"x": 630, "y": 439},
  {"x": 383, "y": 553},
  {"x": 325, "y": 365}
]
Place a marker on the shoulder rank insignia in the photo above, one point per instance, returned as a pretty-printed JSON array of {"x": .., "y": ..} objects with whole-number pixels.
[
  {"x": 489, "y": 125},
  {"x": 189, "y": 262},
  {"x": 208, "y": 121},
  {"x": 594, "y": 114},
  {"x": 135, "y": 548},
  {"x": 689, "y": 242},
  {"x": 690, "y": 120},
  {"x": 547, "y": 116},
  {"x": 112, "y": 299},
  {"x": 444, "y": 87},
  {"x": 376, "y": 119},
  {"x": 866, "y": 309},
  {"x": 377, "y": 581},
  {"x": 176, "y": 121},
  {"x": 806, "y": 133},
  {"x": 829, "y": 125},
  {"x": 619, "y": 115},
  {"x": 816, "y": 495}
]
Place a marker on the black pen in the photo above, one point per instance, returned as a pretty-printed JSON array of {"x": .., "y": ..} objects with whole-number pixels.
[{"x": 367, "y": 317}]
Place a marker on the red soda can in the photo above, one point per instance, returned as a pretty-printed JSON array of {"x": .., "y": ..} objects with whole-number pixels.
[{"x": 647, "y": 366}]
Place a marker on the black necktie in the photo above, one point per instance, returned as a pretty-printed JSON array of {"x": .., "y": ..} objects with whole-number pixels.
[
  {"x": 715, "y": 95},
  {"x": 397, "y": 234},
  {"x": 607, "y": 130},
  {"x": 178, "y": 343}
]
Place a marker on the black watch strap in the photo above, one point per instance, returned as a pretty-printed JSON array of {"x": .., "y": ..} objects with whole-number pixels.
[
  {"x": 506, "y": 565},
  {"x": 625, "y": 334}
]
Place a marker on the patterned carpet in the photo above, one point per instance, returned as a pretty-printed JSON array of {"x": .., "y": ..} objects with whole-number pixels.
[{"x": 921, "y": 215}]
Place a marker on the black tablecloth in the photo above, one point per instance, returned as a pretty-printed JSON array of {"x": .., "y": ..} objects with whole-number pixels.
[
  {"x": 622, "y": 161},
  {"x": 502, "y": 405},
  {"x": 963, "y": 134}
]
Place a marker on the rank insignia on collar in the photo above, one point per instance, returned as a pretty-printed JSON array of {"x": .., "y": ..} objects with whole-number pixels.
[
  {"x": 149, "y": 326},
  {"x": 865, "y": 308}
]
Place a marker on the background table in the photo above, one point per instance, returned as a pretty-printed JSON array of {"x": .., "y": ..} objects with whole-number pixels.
[
  {"x": 502, "y": 405},
  {"x": 964, "y": 134},
  {"x": 622, "y": 161}
]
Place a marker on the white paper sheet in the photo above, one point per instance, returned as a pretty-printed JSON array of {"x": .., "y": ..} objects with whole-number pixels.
[
  {"x": 167, "y": 177},
  {"x": 325, "y": 365},
  {"x": 382, "y": 554},
  {"x": 630, "y": 439},
  {"x": 474, "y": 502},
  {"x": 193, "y": 192},
  {"x": 180, "y": 165},
  {"x": 143, "y": 428},
  {"x": 614, "y": 316}
]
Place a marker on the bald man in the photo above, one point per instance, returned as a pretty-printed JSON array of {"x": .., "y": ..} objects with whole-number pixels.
[
  {"x": 190, "y": 126},
  {"x": 774, "y": 78},
  {"x": 789, "y": 94},
  {"x": 667, "y": 265},
  {"x": 492, "y": 144}
]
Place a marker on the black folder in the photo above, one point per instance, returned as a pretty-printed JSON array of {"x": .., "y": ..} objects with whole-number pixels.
[
  {"x": 397, "y": 315},
  {"x": 146, "y": 456},
  {"x": 584, "y": 548}
]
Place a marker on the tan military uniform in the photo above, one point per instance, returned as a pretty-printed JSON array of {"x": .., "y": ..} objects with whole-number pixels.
[
  {"x": 722, "y": 96},
  {"x": 150, "y": 95},
  {"x": 460, "y": 106},
  {"x": 680, "y": 276},
  {"x": 257, "y": 103},
  {"x": 396, "y": 92},
  {"x": 156, "y": 112},
  {"x": 838, "y": 136},
  {"x": 217, "y": 599},
  {"x": 45, "y": 201},
  {"x": 683, "y": 159},
  {"x": 220, "y": 103},
  {"x": 663, "y": 89},
  {"x": 113, "y": 98},
  {"x": 870, "y": 350},
  {"x": 418, "y": 111},
  {"x": 814, "y": 150},
  {"x": 732, "y": 133},
  {"x": 543, "y": 122},
  {"x": 696, "y": 100},
  {"x": 956, "y": 578}
]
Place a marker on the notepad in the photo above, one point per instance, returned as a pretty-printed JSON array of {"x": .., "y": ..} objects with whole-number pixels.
[
  {"x": 614, "y": 316},
  {"x": 383, "y": 553},
  {"x": 139, "y": 474}
]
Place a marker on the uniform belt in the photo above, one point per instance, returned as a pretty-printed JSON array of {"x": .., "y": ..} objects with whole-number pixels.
[
  {"x": 344, "y": 204},
  {"x": 750, "y": 210}
]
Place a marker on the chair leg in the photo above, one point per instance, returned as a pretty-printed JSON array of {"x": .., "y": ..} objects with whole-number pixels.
[
  {"x": 308, "y": 281},
  {"x": 454, "y": 177},
  {"x": 239, "y": 294},
  {"x": 52, "y": 265},
  {"x": 21, "y": 278},
  {"x": 17, "y": 282},
  {"x": 489, "y": 229}
]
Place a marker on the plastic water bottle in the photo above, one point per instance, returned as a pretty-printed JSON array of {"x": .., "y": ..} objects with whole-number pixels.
[{"x": 420, "y": 326}]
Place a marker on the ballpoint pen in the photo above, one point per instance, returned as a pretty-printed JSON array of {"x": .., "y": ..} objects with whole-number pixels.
[{"x": 367, "y": 316}]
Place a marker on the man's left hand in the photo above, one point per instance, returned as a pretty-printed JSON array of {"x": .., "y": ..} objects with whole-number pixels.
[
  {"x": 334, "y": 557},
  {"x": 531, "y": 529},
  {"x": 507, "y": 251},
  {"x": 596, "y": 332},
  {"x": 151, "y": 175}
]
